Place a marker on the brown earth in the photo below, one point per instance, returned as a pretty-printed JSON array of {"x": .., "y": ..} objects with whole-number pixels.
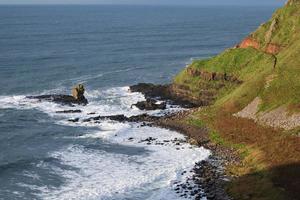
[
  {"x": 269, "y": 167},
  {"x": 274, "y": 163},
  {"x": 271, "y": 48},
  {"x": 249, "y": 42}
]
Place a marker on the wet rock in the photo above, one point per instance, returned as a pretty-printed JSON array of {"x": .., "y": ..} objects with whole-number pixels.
[
  {"x": 74, "y": 120},
  {"x": 150, "y": 104},
  {"x": 192, "y": 141},
  {"x": 122, "y": 118},
  {"x": 163, "y": 92},
  {"x": 69, "y": 111},
  {"x": 78, "y": 98}
]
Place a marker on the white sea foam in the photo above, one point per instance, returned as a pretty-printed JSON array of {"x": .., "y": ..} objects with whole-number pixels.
[
  {"x": 106, "y": 175},
  {"x": 112, "y": 101}
]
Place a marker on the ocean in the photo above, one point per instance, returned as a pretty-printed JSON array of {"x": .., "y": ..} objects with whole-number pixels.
[{"x": 48, "y": 49}]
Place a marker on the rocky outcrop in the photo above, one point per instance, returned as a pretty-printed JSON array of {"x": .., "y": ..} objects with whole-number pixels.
[
  {"x": 249, "y": 42},
  {"x": 78, "y": 92},
  {"x": 150, "y": 104},
  {"x": 211, "y": 76},
  {"x": 199, "y": 98},
  {"x": 123, "y": 118},
  {"x": 77, "y": 98},
  {"x": 165, "y": 93},
  {"x": 271, "y": 48}
]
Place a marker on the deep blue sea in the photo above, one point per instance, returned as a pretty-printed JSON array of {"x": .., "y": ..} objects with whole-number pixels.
[{"x": 48, "y": 49}]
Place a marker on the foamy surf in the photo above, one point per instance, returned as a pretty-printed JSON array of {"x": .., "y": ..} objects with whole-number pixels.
[
  {"x": 105, "y": 175},
  {"x": 150, "y": 160}
]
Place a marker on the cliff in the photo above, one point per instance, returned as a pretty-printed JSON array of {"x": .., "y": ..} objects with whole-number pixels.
[
  {"x": 251, "y": 94},
  {"x": 265, "y": 65}
]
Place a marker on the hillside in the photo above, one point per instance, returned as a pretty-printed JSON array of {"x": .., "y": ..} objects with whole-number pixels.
[
  {"x": 264, "y": 65},
  {"x": 251, "y": 94}
]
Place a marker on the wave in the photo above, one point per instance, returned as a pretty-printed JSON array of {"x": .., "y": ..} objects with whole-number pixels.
[
  {"x": 99, "y": 173},
  {"x": 104, "y": 175}
]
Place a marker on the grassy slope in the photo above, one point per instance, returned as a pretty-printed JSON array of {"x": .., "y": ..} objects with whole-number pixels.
[
  {"x": 270, "y": 166},
  {"x": 254, "y": 67},
  {"x": 288, "y": 26}
]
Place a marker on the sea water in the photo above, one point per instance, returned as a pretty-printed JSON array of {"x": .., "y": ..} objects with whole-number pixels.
[{"x": 48, "y": 49}]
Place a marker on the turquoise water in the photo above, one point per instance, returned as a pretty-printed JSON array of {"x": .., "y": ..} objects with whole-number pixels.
[{"x": 47, "y": 49}]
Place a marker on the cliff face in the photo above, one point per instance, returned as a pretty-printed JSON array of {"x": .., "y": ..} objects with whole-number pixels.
[{"x": 266, "y": 64}]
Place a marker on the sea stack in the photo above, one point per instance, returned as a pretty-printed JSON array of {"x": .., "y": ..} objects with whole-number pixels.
[
  {"x": 78, "y": 92},
  {"x": 77, "y": 97}
]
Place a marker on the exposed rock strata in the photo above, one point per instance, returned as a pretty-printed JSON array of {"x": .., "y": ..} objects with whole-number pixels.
[
  {"x": 211, "y": 76},
  {"x": 166, "y": 93}
]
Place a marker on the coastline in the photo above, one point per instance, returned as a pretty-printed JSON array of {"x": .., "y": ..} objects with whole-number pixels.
[
  {"x": 244, "y": 162},
  {"x": 209, "y": 175}
]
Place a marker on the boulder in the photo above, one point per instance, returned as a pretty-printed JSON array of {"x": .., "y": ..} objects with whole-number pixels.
[{"x": 192, "y": 141}]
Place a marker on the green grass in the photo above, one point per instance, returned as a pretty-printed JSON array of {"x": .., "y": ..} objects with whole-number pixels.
[
  {"x": 216, "y": 138},
  {"x": 253, "y": 67},
  {"x": 285, "y": 88},
  {"x": 196, "y": 122},
  {"x": 248, "y": 65},
  {"x": 236, "y": 62},
  {"x": 288, "y": 26}
]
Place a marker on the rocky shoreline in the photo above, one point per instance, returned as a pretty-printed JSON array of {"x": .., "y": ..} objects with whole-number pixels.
[{"x": 208, "y": 177}]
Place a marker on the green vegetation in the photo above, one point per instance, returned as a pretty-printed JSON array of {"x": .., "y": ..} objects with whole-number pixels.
[
  {"x": 236, "y": 62},
  {"x": 270, "y": 158},
  {"x": 276, "y": 86},
  {"x": 196, "y": 122},
  {"x": 285, "y": 88},
  {"x": 248, "y": 65},
  {"x": 286, "y": 28}
]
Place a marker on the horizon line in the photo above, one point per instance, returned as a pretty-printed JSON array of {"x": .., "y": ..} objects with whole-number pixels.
[{"x": 110, "y": 4}]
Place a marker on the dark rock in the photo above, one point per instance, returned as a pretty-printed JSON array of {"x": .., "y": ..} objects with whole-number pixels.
[
  {"x": 77, "y": 98},
  {"x": 60, "y": 99},
  {"x": 74, "y": 120},
  {"x": 69, "y": 111},
  {"x": 163, "y": 92},
  {"x": 150, "y": 104}
]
